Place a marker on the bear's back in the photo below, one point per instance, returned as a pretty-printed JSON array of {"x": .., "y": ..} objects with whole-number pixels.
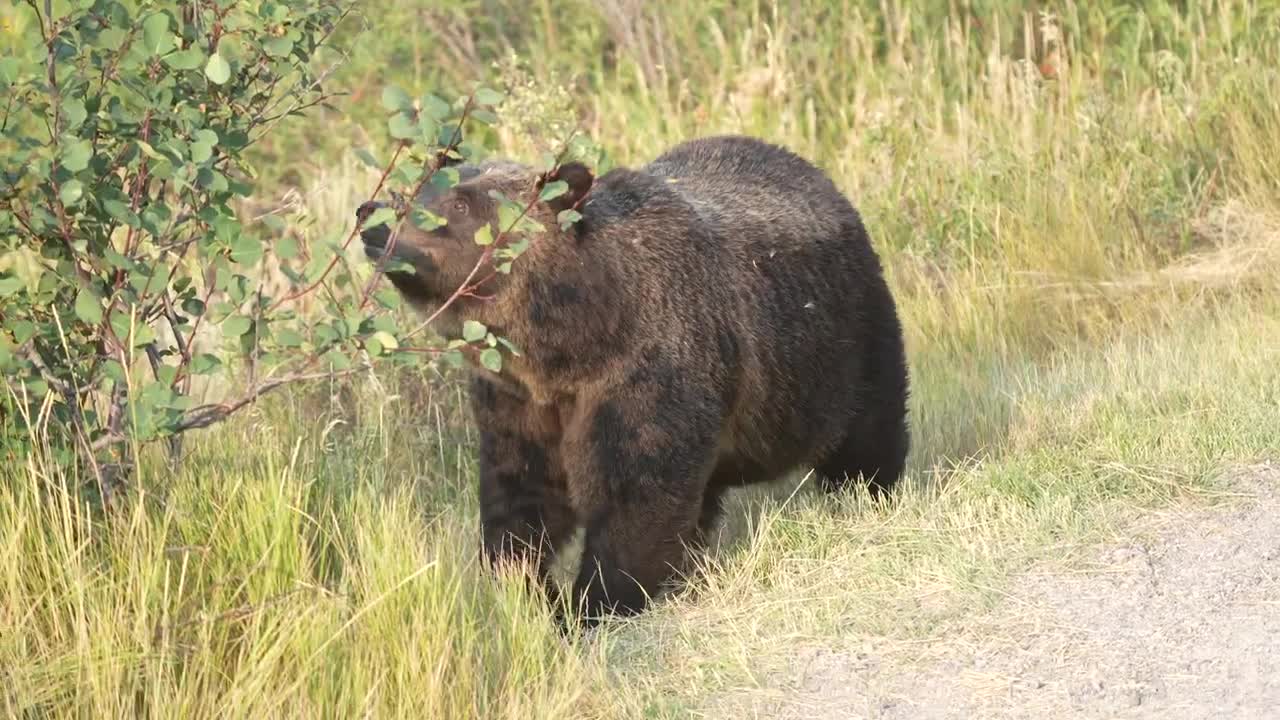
[{"x": 755, "y": 193}]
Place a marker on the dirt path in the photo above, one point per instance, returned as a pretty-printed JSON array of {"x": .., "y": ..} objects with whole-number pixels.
[{"x": 1182, "y": 624}]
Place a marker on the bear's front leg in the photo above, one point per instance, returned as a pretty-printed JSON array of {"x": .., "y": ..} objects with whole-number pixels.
[
  {"x": 639, "y": 463},
  {"x": 525, "y": 515}
]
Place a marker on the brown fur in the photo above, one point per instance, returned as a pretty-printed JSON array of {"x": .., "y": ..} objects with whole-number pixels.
[{"x": 717, "y": 318}]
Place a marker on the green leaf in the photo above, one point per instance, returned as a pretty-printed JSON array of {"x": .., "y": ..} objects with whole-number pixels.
[
  {"x": 192, "y": 306},
  {"x": 202, "y": 144},
  {"x": 237, "y": 287},
  {"x": 399, "y": 267},
  {"x": 514, "y": 249},
  {"x": 491, "y": 359},
  {"x": 367, "y": 158},
  {"x": 425, "y": 220},
  {"x": 553, "y": 190},
  {"x": 445, "y": 178},
  {"x": 204, "y": 364},
  {"x": 486, "y": 97},
  {"x": 568, "y": 217},
  {"x": 212, "y": 180},
  {"x": 243, "y": 189},
  {"x": 484, "y": 236},
  {"x": 88, "y": 307},
  {"x": 114, "y": 370},
  {"x": 453, "y": 358},
  {"x": 71, "y": 192},
  {"x": 246, "y": 250},
  {"x": 110, "y": 39},
  {"x": 8, "y": 70},
  {"x": 10, "y": 285},
  {"x": 337, "y": 361},
  {"x": 143, "y": 278},
  {"x": 289, "y": 338},
  {"x": 236, "y": 325},
  {"x": 402, "y": 127},
  {"x": 189, "y": 59},
  {"x": 381, "y": 216},
  {"x": 143, "y": 334},
  {"x": 201, "y": 152},
  {"x": 287, "y": 248},
  {"x": 388, "y": 298},
  {"x": 473, "y": 331},
  {"x": 393, "y": 98},
  {"x": 274, "y": 222},
  {"x": 147, "y": 150},
  {"x": 166, "y": 374},
  {"x": 121, "y": 324},
  {"x": 120, "y": 213},
  {"x": 484, "y": 116},
  {"x": 434, "y": 107},
  {"x": 37, "y": 388},
  {"x": 217, "y": 69},
  {"x": 278, "y": 47},
  {"x": 426, "y": 130},
  {"x": 76, "y": 155},
  {"x": 22, "y": 330},
  {"x": 116, "y": 260},
  {"x": 407, "y": 174},
  {"x": 508, "y": 215},
  {"x": 386, "y": 340},
  {"x": 73, "y": 113},
  {"x": 156, "y": 35}
]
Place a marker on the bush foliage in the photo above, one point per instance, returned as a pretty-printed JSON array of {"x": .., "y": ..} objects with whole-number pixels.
[{"x": 128, "y": 271}]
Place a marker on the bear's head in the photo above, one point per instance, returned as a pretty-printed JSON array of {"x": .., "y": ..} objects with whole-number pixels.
[{"x": 444, "y": 257}]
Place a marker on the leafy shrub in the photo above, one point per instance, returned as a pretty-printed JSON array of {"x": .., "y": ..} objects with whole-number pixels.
[{"x": 125, "y": 149}]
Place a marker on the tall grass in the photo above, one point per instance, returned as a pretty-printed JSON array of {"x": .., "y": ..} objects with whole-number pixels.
[
  {"x": 286, "y": 571},
  {"x": 1080, "y": 213}
]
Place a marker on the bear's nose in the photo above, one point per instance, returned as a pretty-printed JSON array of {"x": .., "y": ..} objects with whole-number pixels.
[{"x": 366, "y": 209}]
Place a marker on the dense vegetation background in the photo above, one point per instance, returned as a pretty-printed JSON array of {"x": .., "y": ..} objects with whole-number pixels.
[{"x": 1079, "y": 207}]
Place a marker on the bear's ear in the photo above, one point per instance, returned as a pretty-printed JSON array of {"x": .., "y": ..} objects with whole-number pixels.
[{"x": 579, "y": 179}]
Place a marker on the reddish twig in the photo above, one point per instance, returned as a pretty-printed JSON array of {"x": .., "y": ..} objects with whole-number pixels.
[
  {"x": 206, "y": 415},
  {"x": 350, "y": 237}
]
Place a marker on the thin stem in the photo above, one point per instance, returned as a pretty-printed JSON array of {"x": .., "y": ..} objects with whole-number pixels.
[
  {"x": 351, "y": 236},
  {"x": 206, "y": 415}
]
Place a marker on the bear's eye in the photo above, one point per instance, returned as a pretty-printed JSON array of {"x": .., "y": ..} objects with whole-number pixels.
[{"x": 460, "y": 207}]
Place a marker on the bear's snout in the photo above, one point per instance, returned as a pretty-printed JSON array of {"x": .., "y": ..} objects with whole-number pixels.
[
  {"x": 366, "y": 209},
  {"x": 375, "y": 237}
]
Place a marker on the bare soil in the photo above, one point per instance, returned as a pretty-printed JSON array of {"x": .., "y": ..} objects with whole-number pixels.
[{"x": 1180, "y": 621}]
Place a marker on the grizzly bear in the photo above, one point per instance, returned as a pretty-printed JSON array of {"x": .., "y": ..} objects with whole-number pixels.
[{"x": 714, "y": 319}]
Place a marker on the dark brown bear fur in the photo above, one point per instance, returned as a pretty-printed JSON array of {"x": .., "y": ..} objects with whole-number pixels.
[{"x": 717, "y": 318}]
